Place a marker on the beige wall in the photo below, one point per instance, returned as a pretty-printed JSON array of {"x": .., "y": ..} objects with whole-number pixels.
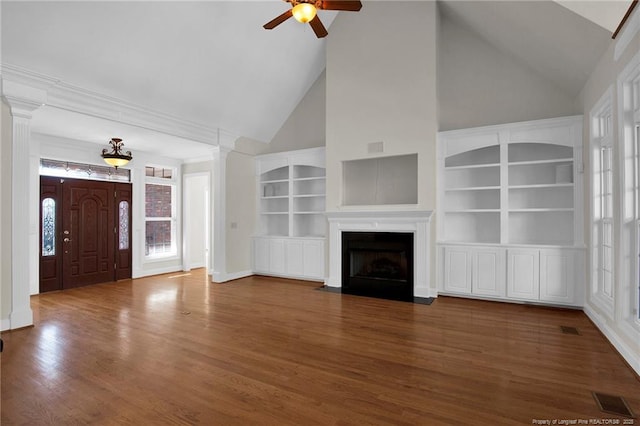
[
  {"x": 305, "y": 127},
  {"x": 5, "y": 214},
  {"x": 240, "y": 210},
  {"x": 479, "y": 85},
  {"x": 381, "y": 86},
  {"x": 619, "y": 329}
]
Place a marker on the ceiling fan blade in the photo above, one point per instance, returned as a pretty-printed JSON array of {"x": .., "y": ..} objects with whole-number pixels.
[
  {"x": 277, "y": 21},
  {"x": 318, "y": 28},
  {"x": 348, "y": 5}
]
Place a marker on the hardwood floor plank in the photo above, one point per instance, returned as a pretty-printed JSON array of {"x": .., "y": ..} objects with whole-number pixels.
[{"x": 178, "y": 350}]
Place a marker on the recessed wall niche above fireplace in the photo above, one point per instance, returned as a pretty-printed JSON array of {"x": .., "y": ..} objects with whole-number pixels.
[{"x": 378, "y": 264}]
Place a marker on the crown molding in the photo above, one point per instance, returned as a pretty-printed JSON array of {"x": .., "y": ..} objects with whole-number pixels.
[{"x": 67, "y": 96}]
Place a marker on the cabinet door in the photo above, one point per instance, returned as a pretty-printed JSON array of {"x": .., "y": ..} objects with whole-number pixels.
[
  {"x": 277, "y": 256},
  {"x": 488, "y": 276},
  {"x": 523, "y": 274},
  {"x": 295, "y": 257},
  {"x": 457, "y": 269},
  {"x": 261, "y": 255},
  {"x": 313, "y": 262},
  {"x": 557, "y": 275}
]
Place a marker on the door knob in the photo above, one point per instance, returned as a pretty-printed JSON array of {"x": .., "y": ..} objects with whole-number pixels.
[{"x": 66, "y": 240}]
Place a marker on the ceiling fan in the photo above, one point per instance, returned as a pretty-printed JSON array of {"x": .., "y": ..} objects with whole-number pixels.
[{"x": 305, "y": 11}]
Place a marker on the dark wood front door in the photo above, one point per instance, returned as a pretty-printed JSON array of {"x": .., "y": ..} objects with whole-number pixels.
[{"x": 92, "y": 235}]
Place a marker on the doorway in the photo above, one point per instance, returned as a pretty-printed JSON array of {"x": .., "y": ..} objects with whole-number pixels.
[
  {"x": 85, "y": 232},
  {"x": 196, "y": 231}
]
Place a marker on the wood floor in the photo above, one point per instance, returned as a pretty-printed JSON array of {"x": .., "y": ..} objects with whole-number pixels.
[{"x": 178, "y": 350}]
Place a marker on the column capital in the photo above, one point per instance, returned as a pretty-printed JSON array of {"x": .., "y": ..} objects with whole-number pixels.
[{"x": 23, "y": 99}]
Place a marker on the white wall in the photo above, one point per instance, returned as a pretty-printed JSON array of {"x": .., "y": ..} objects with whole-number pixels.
[
  {"x": 240, "y": 212},
  {"x": 479, "y": 85},
  {"x": 381, "y": 86},
  {"x": 5, "y": 215},
  {"x": 195, "y": 215},
  {"x": 620, "y": 329}
]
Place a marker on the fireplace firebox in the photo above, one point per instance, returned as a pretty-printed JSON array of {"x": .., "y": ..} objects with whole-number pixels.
[{"x": 378, "y": 264}]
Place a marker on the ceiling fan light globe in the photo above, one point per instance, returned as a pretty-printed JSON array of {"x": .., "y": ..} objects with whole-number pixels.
[{"x": 304, "y": 12}]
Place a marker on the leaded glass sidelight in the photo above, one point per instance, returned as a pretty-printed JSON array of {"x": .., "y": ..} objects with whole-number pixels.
[
  {"x": 48, "y": 227},
  {"x": 123, "y": 236}
]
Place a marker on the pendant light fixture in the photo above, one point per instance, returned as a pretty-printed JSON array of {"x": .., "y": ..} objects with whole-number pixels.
[{"x": 116, "y": 157}]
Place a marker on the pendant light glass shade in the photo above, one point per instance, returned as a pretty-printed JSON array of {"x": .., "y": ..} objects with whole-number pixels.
[{"x": 116, "y": 157}]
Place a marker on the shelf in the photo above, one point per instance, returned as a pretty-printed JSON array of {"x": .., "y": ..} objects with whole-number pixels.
[
  {"x": 307, "y": 195},
  {"x": 473, "y": 188},
  {"x": 473, "y": 166},
  {"x": 274, "y": 213},
  {"x": 542, "y": 185},
  {"x": 537, "y": 210},
  {"x": 473, "y": 211},
  {"x": 310, "y": 212},
  {"x": 273, "y": 197},
  {"x": 550, "y": 161},
  {"x": 275, "y": 181},
  {"x": 309, "y": 178}
]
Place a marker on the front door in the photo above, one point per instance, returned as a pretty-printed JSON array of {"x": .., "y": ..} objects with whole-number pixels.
[{"x": 91, "y": 239}]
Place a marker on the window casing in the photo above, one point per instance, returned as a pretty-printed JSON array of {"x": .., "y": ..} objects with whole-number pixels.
[
  {"x": 603, "y": 240},
  {"x": 160, "y": 213},
  {"x": 629, "y": 125}
]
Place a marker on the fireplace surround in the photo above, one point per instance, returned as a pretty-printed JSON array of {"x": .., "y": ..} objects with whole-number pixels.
[{"x": 413, "y": 222}]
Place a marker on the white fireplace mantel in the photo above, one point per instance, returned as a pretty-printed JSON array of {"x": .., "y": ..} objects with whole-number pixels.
[{"x": 415, "y": 221}]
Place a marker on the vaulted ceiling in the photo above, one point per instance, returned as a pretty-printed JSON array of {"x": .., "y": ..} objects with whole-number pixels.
[{"x": 213, "y": 63}]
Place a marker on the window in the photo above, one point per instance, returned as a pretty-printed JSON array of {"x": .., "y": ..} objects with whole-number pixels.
[
  {"x": 606, "y": 228},
  {"x": 123, "y": 225},
  {"x": 160, "y": 213},
  {"x": 603, "y": 241},
  {"x": 629, "y": 142},
  {"x": 48, "y": 227}
]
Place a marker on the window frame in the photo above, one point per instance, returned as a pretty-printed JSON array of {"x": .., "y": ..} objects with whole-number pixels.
[
  {"x": 603, "y": 221},
  {"x": 171, "y": 182}
]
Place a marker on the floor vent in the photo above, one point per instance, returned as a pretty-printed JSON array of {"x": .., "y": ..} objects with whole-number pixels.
[
  {"x": 569, "y": 330},
  {"x": 612, "y": 404}
]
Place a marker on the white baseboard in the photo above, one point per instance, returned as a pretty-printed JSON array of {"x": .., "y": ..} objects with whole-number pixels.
[
  {"x": 157, "y": 271},
  {"x": 219, "y": 277},
  {"x": 623, "y": 349},
  {"x": 5, "y": 324}
]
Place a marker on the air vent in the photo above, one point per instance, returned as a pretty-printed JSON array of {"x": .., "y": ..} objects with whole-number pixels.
[
  {"x": 569, "y": 330},
  {"x": 612, "y": 404},
  {"x": 375, "y": 147}
]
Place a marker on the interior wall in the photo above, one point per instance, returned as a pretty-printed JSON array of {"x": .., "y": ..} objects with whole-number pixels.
[
  {"x": 240, "y": 212},
  {"x": 305, "y": 127},
  {"x": 5, "y": 214},
  {"x": 196, "y": 192},
  {"x": 479, "y": 85},
  {"x": 621, "y": 330},
  {"x": 381, "y": 87}
]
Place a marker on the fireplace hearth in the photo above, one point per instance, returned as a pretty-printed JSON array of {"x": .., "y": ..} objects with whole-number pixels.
[{"x": 378, "y": 264}]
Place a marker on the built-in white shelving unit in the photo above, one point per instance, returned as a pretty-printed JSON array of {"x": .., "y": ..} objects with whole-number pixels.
[
  {"x": 291, "y": 223},
  {"x": 510, "y": 203}
]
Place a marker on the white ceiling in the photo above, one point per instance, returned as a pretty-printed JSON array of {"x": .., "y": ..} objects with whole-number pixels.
[
  {"x": 207, "y": 62},
  {"x": 211, "y": 62},
  {"x": 607, "y": 14}
]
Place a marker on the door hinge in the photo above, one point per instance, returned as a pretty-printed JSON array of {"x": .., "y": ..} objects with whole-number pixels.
[
  {"x": 115, "y": 230},
  {"x": 115, "y": 266},
  {"x": 115, "y": 194}
]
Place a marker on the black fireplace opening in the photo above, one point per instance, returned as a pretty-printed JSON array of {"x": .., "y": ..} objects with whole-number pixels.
[{"x": 378, "y": 264}]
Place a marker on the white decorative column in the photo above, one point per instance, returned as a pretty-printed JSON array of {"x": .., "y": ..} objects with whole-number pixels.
[
  {"x": 218, "y": 207},
  {"x": 23, "y": 100}
]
